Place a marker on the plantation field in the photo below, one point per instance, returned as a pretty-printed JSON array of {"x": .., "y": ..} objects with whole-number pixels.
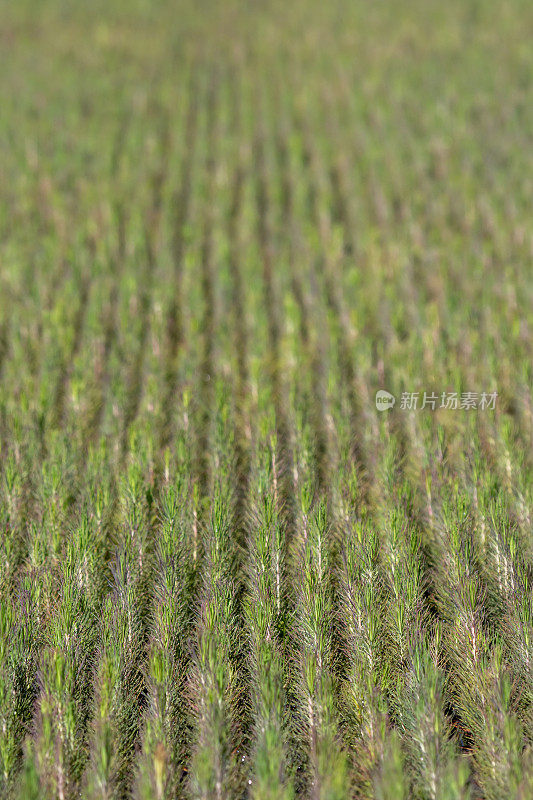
[{"x": 228, "y": 569}]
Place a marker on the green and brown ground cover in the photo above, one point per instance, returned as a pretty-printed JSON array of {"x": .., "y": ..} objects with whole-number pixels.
[{"x": 224, "y": 573}]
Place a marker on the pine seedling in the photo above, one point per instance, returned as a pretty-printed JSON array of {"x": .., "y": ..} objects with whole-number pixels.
[
  {"x": 65, "y": 673},
  {"x": 11, "y": 545},
  {"x": 129, "y": 595},
  {"x": 16, "y": 697},
  {"x": 518, "y": 636},
  {"x": 134, "y": 540},
  {"x": 28, "y": 786},
  {"x": 498, "y": 546},
  {"x": 85, "y": 553},
  {"x": 485, "y": 703},
  {"x": 420, "y": 713},
  {"x": 164, "y": 747},
  {"x": 8, "y": 741},
  {"x": 362, "y": 615},
  {"x": 508, "y": 582},
  {"x": 327, "y": 769},
  {"x": 104, "y": 755},
  {"x": 212, "y": 681},
  {"x": 405, "y": 614},
  {"x": 263, "y": 611},
  {"x": 57, "y": 726},
  {"x": 389, "y": 783},
  {"x": 479, "y": 684},
  {"x": 46, "y": 538},
  {"x": 119, "y": 681}
]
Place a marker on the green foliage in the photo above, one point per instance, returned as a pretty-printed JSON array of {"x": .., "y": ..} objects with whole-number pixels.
[{"x": 224, "y": 573}]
